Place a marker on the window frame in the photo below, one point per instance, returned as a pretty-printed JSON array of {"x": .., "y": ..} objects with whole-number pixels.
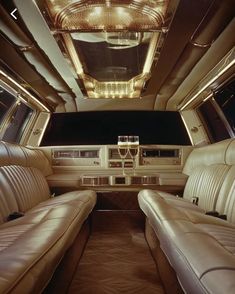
[
  {"x": 220, "y": 114},
  {"x": 224, "y": 85},
  {"x": 11, "y": 110},
  {"x": 8, "y": 116},
  {"x": 223, "y": 117}
]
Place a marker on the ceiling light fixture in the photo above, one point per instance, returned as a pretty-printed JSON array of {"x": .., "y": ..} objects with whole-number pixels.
[{"x": 112, "y": 44}]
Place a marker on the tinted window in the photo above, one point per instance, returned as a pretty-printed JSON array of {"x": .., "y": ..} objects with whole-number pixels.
[
  {"x": 225, "y": 97},
  {"x": 18, "y": 123},
  {"x": 215, "y": 127},
  {"x": 153, "y": 127},
  {"x": 6, "y": 101}
]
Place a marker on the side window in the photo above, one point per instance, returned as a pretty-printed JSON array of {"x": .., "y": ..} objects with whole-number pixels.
[
  {"x": 6, "y": 102},
  {"x": 14, "y": 116},
  {"x": 225, "y": 98},
  {"x": 218, "y": 113},
  {"x": 18, "y": 123},
  {"x": 215, "y": 127}
]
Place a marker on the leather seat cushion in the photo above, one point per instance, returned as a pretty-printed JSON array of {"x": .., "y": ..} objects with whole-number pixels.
[{"x": 32, "y": 246}]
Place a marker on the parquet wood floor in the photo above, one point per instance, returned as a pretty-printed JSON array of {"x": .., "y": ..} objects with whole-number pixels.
[{"x": 116, "y": 262}]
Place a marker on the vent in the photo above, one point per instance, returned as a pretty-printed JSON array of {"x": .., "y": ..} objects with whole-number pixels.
[
  {"x": 95, "y": 180},
  {"x": 153, "y": 153},
  {"x": 144, "y": 180}
]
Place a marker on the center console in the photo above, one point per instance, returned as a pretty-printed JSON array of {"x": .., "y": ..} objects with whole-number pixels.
[{"x": 100, "y": 168}]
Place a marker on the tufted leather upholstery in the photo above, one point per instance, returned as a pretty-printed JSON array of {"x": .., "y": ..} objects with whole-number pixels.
[
  {"x": 207, "y": 155},
  {"x": 208, "y": 181},
  {"x": 199, "y": 247},
  {"x": 32, "y": 246},
  {"x": 11, "y": 154},
  {"x": 26, "y": 184}
]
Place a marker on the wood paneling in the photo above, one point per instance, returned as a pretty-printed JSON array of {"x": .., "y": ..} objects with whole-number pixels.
[{"x": 118, "y": 200}]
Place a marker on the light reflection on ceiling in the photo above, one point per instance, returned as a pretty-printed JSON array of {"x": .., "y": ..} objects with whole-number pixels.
[{"x": 112, "y": 44}]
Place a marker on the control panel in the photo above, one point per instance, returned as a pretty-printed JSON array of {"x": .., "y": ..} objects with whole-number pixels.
[
  {"x": 159, "y": 156},
  {"x": 108, "y": 157},
  {"x": 76, "y": 157}
]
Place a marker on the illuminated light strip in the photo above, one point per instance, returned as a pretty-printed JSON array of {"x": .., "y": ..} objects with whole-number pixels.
[
  {"x": 73, "y": 54},
  {"x": 21, "y": 99},
  {"x": 208, "y": 97},
  {"x": 24, "y": 90},
  {"x": 209, "y": 83},
  {"x": 128, "y": 86},
  {"x": 151, "y": 51},
  {"x": 63, "y": 14},
  {"x": 187, "y": 129}
]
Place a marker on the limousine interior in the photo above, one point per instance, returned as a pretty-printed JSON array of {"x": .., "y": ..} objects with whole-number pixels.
[{"x": 117, "y": 151}]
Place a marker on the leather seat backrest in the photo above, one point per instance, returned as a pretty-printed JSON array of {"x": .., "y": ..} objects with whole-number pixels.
[
  {"x": 26, "y": 185},
  {"x": 207, "y": 168},
  {"x": 225, "y": 191},
  {"x": 16, "y": 154},
  {"x": 11, "y": 154},
  {"x": 229, "y": 209},
  {"x": 226, "y": 200},
  {"x": 230, "y": 153},
  {"x": 8, "y": 202},
  {"x": 205, "y": 183},
  {"x": 207, "y": 155},
  {"x": 4, "y": 155},
  {"x": 36, "y": 158}
]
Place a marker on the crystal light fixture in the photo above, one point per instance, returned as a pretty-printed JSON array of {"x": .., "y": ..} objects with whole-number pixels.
[{"x": 112, "y": 43}]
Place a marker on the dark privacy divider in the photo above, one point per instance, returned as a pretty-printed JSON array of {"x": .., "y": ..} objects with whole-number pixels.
[{"x": 103, "y": 127}]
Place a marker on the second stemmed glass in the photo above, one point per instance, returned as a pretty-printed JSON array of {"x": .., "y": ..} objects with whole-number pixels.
[
  {"x": 133, "y": 146},
  {"x": 123, "y": 149}
]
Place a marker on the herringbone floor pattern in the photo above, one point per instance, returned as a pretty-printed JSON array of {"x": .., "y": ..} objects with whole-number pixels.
[{"x": 116, "y": 262}]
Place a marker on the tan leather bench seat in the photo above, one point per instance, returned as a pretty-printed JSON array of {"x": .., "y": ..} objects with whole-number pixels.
[
  {"x": 197, "y": 250},
  {"x": 32, "y": 245},
  {"x": 199, "y": 247}
]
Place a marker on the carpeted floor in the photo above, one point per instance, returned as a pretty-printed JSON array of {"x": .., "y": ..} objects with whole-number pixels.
[{"x": 116, "y": 262}]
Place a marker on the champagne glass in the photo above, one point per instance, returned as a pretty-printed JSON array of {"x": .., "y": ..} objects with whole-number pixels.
[
  {"x": 133, "y": 147},
  {"x": 123, "y": 149}
]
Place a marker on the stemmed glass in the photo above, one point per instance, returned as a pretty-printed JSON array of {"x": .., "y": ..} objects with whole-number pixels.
[
  {"x": 133, "y": 146},
  {"x": 123, "y": 149}
]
